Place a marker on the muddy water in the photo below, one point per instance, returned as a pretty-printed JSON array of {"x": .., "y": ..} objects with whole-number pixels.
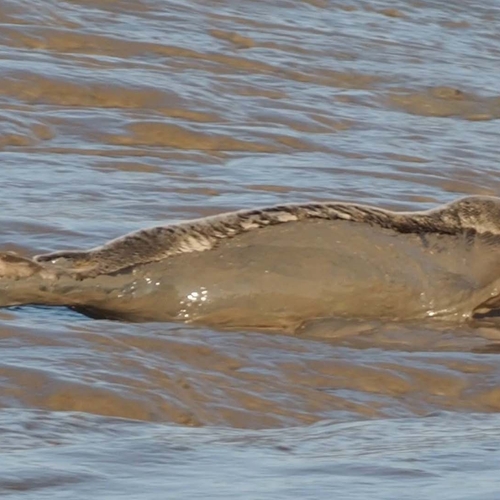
[{"x": 118, "y": 115}]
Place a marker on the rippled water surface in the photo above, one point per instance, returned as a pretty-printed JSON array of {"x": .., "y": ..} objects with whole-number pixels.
[{"x": 117, "y": 115}]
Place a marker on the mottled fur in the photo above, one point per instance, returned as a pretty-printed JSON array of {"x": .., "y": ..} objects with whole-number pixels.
[{"x": 475, "y": 214}]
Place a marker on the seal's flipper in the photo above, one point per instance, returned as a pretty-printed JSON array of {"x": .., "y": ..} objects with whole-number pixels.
[
  {"x": 490, "y": 307},
  {"x": 77, "y": 264},
  {"x": 13, "y": 266}
]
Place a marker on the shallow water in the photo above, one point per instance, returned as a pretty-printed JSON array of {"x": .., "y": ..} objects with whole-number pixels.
[
  {"x": 119, "y": 115},
  {"x": 390, "y": 459}
]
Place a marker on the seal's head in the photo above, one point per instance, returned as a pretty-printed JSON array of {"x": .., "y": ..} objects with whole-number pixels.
[{"x": 479, "y": 213}]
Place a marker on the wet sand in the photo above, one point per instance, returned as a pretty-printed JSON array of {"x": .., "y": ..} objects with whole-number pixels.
[{"x": 120, "y": 115}]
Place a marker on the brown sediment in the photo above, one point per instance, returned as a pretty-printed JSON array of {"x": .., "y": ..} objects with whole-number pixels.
[
  {"x": 241, "y": 42},
  {"x": 332, "y": 123},
  {"x": 309, "y": 126},
  {"x": 270, "y": 188},
  {"x": 455, "y": 24},
  {"x": 449, "y": 93},
  {"x": 74, "y": 42},
  {"x": 322, "y": 4},
  {"x": 405, "y": 158},
  {"x": 128, "y": 166},
  {"x": 243, "y": 381},
  {"x": 34, "y": 89},
  {"x": 392, "y": 13},
  {"x": 176, "y": 136},
  {"x": 247, "y": 90},
  {"x": 447, "y": 102},
  {"x": 25, "y": 135}
]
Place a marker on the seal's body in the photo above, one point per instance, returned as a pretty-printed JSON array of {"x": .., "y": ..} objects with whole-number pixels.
[
  {"x": 278, "y": 267},
  {"x": 481, "y": 214}
]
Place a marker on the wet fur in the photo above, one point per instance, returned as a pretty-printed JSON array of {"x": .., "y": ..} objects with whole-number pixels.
[{"x": 474, "y": 214}]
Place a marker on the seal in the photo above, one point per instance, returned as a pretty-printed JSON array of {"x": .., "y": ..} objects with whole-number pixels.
[
  {"x": 479, "y": 214},
  {"x": 280, "y": 266}
]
